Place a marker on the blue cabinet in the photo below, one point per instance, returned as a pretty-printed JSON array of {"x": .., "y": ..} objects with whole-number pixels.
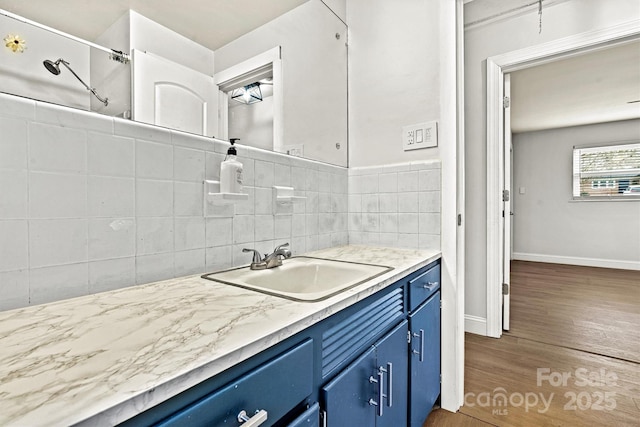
[
  {"x": 424, "y": 363},
  {"x": 372, "y": 390},
  {"x": 309, "y": 418},
  {"x": 373, "y": 364},
  {"x": 271, "y": 388}
]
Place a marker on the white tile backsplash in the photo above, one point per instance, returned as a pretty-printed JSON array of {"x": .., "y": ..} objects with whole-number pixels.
[
  {"x": 264, "y": 174},
  {"x": 57, "y": 149},
  {"x": 154, "y": 160},
  {"x": 219, "y": 258},
  {"x": 154, "y": 198},
  {"x": 109, "y": 274},
  {"x": 13, "y": 188},
  {"x": 188, "y": 198},
  {"x": 14, "y": 249},
  {"x": 110, "y": 155},
  {"x": 54, "y": 195},
  {"x": 243, "y": 229},
  {"x": 14, "y": 289},
  {"x": 57, "y": 241},
  {"x": 111, "y": 238},
  {"x": 188, "y": 164},
  {"x": 151, "y": 268},
  {"x": 190, "y": 233},
  {"x": 95, "y": 203},
  {"x": 154, "y": 235},
  {"x": 13, "y": 143},
  {"x": 110, "y": 196},
  {"x": 190, "y": 262},
  {"x": 264, "y": 228},
  {"x": 395, "y": 205},
  {"x": 58, "y": 282},
  {"x": 219, "y": 232}
]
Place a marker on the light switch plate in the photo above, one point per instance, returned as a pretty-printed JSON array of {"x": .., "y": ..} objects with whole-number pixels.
[{"x": 420, "y": 135}]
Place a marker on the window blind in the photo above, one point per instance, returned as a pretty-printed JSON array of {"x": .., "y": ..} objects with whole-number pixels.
[{"x": 606, "y": 171}]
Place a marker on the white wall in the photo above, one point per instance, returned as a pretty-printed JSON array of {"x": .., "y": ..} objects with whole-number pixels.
[
  {"x": 252, "y": 123},
  {"x": 394, "y": 62},
  {"x": 548, "y": 225},
  {"x": 559, "y": 20},
  {"x": 91, "y": 203},
  {"x": 23, "y": 73},
  {"x": 134, "y": 31},
  {"x": 314, "y": 74},
  {"x": 402, "y": 71}
]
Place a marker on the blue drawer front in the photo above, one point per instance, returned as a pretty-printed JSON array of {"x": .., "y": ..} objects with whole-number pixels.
[
  {"x": 271, "y": 387},
  {"x": 423, "y": 286},
  {"x": 310, "y": 418}
]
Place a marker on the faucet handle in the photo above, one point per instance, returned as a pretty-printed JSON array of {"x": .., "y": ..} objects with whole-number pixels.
[
  {"x": 257, "y": 258},
  {"x": 283, "y": 250}
]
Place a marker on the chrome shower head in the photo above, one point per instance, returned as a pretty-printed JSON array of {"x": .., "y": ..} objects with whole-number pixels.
[{"x": 52, "y": 67}]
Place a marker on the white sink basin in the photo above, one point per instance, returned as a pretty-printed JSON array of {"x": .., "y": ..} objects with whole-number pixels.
[{"x": 301, "y": 278}]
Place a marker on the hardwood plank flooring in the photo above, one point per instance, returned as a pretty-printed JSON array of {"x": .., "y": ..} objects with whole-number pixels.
[
  {"x": 571, "y": 358},
  {"x": 586, "y": 308}
]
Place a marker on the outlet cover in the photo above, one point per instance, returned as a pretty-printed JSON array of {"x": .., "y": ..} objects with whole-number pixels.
[{"x": 420, "y": 135}]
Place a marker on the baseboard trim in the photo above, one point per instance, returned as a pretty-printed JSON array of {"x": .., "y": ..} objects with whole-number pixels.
[
  {"x": 475, "y": 325},
  {"x": 588, "y": 262}
]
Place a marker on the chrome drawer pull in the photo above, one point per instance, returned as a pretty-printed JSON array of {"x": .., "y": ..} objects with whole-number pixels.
[
  {"x": 421, "y": 352},
  {"x": 389, "y": 372},
  {"x": 259, "y": 417},
  {"x": 430, "y": 285},
  {"x": 380, "y": 382}
]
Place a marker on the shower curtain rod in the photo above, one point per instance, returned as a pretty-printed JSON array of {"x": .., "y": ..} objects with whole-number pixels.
[{"x": 116, "y": 55}]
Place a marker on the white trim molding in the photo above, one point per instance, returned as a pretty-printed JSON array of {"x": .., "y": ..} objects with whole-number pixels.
[
  {"x": 497, "y": 66},
  {"x": 475, "y": 325},
  {"x": 572, "y": 260}
]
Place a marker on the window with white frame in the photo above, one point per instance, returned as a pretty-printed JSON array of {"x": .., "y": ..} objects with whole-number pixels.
[{"x": 607, "y": 171}]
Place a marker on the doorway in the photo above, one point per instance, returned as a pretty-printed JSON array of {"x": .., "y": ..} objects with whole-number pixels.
[{"x": 497, "y": 181}]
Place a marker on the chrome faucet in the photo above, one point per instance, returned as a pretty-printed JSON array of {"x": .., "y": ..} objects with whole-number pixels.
[{"x": 271, "y": 260}]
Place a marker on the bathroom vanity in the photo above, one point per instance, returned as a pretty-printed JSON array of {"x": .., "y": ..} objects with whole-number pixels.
[{"x": 190, "y": 351}]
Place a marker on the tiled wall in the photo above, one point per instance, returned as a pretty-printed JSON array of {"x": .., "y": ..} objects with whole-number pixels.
[
  {"x": 396, "y": 205},
  {"x": 90, "y": 203}
]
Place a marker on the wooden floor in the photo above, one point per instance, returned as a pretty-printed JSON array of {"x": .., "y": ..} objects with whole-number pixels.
[{"x": 571, "y": 358}]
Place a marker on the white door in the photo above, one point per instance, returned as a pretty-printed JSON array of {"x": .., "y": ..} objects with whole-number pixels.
[
  {"x": 506, "y": 212},
  {"x": 169, "y": 94}
]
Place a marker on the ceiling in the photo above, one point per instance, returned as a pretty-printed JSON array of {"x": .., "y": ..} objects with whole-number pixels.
[
  {"x": 211, "y": 23},
  {"x": 594, "y": 87}
]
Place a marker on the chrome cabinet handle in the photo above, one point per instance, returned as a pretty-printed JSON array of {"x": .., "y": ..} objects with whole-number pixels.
[
  {"x": 389, "y": 372},
  {"x": 430, "y": 285},
  {"x": 421, "y": 352},
  {"x": 259, "y": 417},
  {"x": 380, "y": 382}
]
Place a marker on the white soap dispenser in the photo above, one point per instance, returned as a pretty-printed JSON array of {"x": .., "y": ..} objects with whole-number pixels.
[{"x": 231, "y": 171}]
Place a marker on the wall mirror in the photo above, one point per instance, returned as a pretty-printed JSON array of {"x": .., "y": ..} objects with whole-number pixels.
[{"x": 136, "y": 66}]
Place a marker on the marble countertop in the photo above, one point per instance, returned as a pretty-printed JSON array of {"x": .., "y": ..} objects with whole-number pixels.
[{"x": 101, "y": 359}]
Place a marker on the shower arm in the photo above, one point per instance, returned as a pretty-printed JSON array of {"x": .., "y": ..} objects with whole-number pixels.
[{"x": 105, "y": 101}]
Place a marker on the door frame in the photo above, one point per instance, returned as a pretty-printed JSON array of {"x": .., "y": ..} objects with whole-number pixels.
[
  {"x": 272, "y": 57},
  {"x": 497, "y": 66}
]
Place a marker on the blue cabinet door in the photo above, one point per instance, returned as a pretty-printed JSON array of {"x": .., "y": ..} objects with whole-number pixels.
[
  {"x": 372, "y": 391},
  {"x": 392, "y": 357},
  {"x": 348, "y": 396},
  {"x": 424, "y": 364}
]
